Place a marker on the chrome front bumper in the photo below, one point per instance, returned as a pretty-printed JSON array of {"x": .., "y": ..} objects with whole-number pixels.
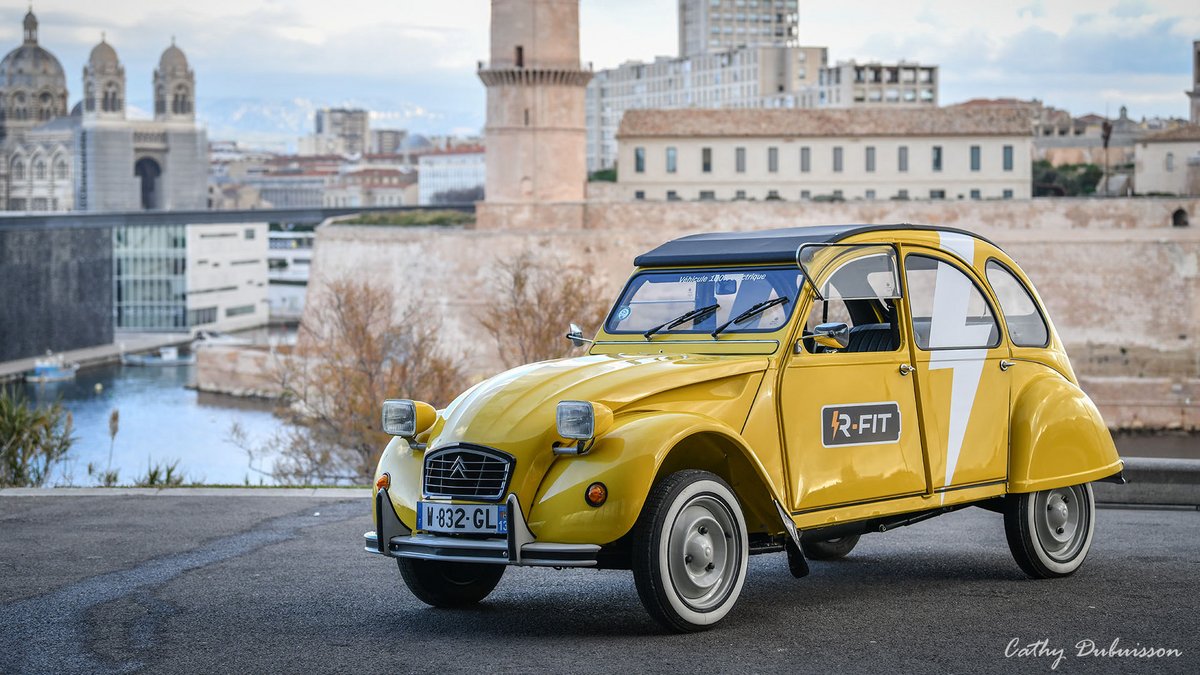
[{"x": 519, "y": 547}]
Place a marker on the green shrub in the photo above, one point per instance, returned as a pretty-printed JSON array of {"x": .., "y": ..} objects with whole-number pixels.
[
  {"x": 33, "y": 439},
  {"x": 412, "y": 218}
]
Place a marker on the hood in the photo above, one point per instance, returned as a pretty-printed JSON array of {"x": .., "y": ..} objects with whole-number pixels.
[{"x": 515, "y": 411}]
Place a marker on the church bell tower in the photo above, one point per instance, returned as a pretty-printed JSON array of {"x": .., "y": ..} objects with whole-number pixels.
[{"x": 536, "y": 136}]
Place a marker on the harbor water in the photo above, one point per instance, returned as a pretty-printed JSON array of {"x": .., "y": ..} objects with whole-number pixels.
[{"x": 161, "y": 421}]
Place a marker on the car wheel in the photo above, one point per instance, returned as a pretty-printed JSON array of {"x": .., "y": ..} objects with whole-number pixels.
[
  {"x": 449, "y": 584},
  {"x": 829, "y": 549},
  {"x": 1050, "y": 532},
  {"x": 690, "y": 551}
]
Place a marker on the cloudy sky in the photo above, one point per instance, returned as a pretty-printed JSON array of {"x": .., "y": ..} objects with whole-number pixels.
[{"x": 262, "y": 65}]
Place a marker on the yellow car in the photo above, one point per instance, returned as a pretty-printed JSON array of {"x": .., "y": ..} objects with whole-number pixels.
[{"x": 756, "y": 392}]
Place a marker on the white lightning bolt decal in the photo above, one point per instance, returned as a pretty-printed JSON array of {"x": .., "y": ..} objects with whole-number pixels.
[{"x": 948, "y": 327}]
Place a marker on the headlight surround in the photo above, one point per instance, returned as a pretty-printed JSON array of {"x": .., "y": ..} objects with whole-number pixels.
[
  {"x": 576, "y": 420},
  {"x": 405, "y": 418}
]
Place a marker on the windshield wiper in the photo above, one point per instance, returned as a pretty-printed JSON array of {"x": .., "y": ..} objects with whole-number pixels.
[
  {"x": 750, "y": 313},
  {"x": 689, "y": 316}
]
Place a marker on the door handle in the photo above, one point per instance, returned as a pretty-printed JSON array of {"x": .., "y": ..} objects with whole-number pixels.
[
  {"x": 905, "y": 369},
  {"x": 1006, "y": 364}
]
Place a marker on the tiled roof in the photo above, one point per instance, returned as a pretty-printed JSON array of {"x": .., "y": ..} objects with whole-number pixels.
[
  {"x": 1187, "y": 132},
  {"x": 983, "y": 121}
]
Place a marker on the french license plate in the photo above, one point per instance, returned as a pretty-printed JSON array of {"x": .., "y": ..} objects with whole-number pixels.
[{"x": 465, "y": 518}]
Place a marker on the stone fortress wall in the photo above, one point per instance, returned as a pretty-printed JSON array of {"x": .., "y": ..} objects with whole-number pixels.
[{"x": 1121, "y": 283}]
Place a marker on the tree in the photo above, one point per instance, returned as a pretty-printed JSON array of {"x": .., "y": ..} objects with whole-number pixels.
[
  {"x": 33, "y": 439},
  {"x": 533, "y": 300},
  {"x": 353, "y": 351},
  {"x": 459, "y": 196}
]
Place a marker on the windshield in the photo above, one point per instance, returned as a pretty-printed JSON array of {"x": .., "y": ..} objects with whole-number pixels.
[{"x": 659, "y": 297}]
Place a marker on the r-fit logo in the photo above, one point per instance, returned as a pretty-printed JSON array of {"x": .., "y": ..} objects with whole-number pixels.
[{"x": 860, "y": 424}]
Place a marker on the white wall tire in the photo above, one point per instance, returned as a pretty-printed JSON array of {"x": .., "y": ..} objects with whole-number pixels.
[
  {"x": 1050, "y": 532},
  {"x": 690, "y": 551}
]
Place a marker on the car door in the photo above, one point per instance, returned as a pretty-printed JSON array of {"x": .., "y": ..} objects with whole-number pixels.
[
  {"x": 960, "y": 357},
  {"x": 849, "y": 416}
]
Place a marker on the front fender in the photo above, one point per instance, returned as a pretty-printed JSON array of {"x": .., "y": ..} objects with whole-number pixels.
[
  {"x": 627, "y": 460},
  {"x": 1058, "y": 437},
  {"x": 404, "y": 465}
]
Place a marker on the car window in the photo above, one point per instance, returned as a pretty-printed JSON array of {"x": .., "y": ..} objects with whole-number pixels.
[
  {"x": 1026, "y": 327},
  {"x": 656, "y": 297},
  {"x": 948, "y": 309}
]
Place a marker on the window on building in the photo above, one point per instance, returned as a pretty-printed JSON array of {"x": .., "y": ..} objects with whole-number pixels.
[
  {"x": 241, "y": 310},
  {"x": 672, "y": 196},
  {"x": 937, "y": 194},
  {"x": 520, "y": 56},
  {"x": 870, "y": 194},
  {"x": 773, "y": 160},
  {"x": 706, "y": 160},
  {"x": 1008, "y": 194},
  {"x": 639, "y": 195},
  {"x": 902, "y": 159},
  {"x": 975, "y": 194},
  {"x": 937, "y": 158},
  {"x": 976, "y": 157},
  {"x": 60, "y": 170},
  {"x": 18, "y": 170},
  {"x": 739, "y": 156},
  {"x": 773, "y": 196},
  {"x": 1008, "y": 158},
  {"x": 837, "y": 194},
  {"x": 639, "y": 160},
  {"x": 1170, "y": 163},
  {"x": 870, "y": 159},
  {"x": 707, "y": 195},
  {"x": 902, "y": 195},
  {"x": 672, "y": 160},
  {"x": 249, "y": 234},
  {"x": 739, "y": 195},
  {"x": 39, "y": 169},
  {"x": 837, "y": 159},
  {"x": 805, "y": 160},
  {"x": 806, "y": 194}
]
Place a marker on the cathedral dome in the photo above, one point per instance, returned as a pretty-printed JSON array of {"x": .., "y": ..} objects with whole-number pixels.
[
  {"x": 172, "y": 59},
  {"x": 103, "y": 55},
  {"x": 31, "y": 75}
]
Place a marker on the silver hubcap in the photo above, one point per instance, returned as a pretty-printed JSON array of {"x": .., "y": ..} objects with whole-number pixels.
[
  {"x": 703, "y": 553},
  {"x": 1061, "y": 521}
]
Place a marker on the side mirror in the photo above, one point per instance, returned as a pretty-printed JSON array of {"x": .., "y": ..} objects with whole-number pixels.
[
  {"x": 576, "y": 336},
  {"x": 832, "y": 335}
]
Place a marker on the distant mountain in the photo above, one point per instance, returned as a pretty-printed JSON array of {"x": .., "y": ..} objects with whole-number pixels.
[{"x": 277, "y": 124}]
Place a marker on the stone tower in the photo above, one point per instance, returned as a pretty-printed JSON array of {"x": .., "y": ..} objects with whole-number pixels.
[
  {"x": 104, "y": 84},
  {"x": 536, "y": 135},
  {"x": 174, "y": 87},
  {"x": 1194, "y": 94}
]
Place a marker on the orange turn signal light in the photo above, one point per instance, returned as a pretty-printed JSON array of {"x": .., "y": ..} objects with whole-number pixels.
[
  {"x": 596, "y": 494},
  {"x": 383, "y": 482}
]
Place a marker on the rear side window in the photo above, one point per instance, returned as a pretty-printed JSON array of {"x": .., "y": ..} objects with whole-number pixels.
[
  {"x": 948, "y": 309},
  {"x": 1026, "y": 326}
]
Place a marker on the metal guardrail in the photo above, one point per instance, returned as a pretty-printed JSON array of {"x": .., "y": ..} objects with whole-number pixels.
[{"x": 83, "y": 220}]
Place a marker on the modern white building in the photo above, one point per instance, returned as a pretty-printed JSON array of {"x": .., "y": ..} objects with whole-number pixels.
[
  {"x": 289, "y": 260},
  {"x": 1168, "y": 162},
  {"x": 452, "y": 176},
  {"x": 747, "y": 77},
  {"x": 182, "y": 278},
  {"x": 722, "y": 25},
  {"x": 852, "y": 153}
]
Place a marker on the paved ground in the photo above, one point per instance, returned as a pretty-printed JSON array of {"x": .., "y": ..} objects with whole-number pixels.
[{"x": 278, "y": 584}]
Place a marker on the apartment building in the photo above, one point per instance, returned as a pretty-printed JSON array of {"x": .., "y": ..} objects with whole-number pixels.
[
  {"x": 721, "y": 25},
  {"x": 825, "y": 154}
]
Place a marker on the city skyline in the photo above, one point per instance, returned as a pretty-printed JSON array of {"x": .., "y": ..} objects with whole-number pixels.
[{"x": 266, "y": 68}]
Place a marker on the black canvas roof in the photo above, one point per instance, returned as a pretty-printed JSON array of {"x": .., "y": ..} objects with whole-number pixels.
[{"x": 759, "y": 246}]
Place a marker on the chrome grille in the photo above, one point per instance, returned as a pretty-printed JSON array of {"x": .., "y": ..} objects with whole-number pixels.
[{"x": 467, "y": 472}]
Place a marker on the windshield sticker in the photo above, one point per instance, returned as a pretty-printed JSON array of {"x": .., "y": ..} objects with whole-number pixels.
[
  {"x": 623, "y": 313},
  {"x": 860, "y": 424},
  {"x": 708, "y": 278}
]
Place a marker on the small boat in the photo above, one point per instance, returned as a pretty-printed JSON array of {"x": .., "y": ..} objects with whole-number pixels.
[
  {"x": 167, "y": 356},
  {"x": 213, "y": 337},
  {"x": 53, "y": 368}
]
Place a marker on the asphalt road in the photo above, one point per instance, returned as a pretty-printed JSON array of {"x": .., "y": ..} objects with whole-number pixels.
[{"x": 281, "y": 584}]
